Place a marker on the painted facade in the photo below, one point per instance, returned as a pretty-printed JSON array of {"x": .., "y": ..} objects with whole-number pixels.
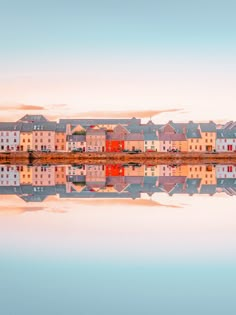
[
  {"x": 43, "y": 175},
  {"x": 10, "y": 136},
  {"x": 44, "y": 136},
  {"x": 9, "y": 175},
  {"x": 75, "y": 142},
  {"x": 134, "y": 141},
  {"x": 226, "y": 140},
  {"x": 95, "y": 140},
  {"x": 26, "y": 174},
  {"x": 207, "y": 173},
  {"x": 226, "y": 171}
]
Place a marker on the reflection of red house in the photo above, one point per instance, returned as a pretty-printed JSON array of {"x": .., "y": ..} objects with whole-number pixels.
[{"x": 114, "y": 170}]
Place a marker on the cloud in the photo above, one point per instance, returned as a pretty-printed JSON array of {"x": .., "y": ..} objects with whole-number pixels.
[
  {"x": 124, "y": 202},
  {"x": 116, "y": 114},
  {"x": 22, "y": 107},
  {"x": 18, "y": 210}
]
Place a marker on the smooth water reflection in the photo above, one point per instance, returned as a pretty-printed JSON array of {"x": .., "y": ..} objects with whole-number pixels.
[{"x": 128, "y": 239}]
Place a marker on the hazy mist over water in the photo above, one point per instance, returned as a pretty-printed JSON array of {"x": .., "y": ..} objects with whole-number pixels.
[{"x": 63, "y": 252}]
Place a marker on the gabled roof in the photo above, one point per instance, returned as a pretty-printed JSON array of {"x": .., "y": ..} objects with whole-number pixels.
[
  {"x": 226, "y": 134},
  {"x": 208, "y": 127},
  {"x": 134, "y": 137},
  {"x": 76, "y": 138},
  {"x": 100, "y": 121},
  {"x": 10, "y": 126},
  {"x": 61, "y": 127},
  {"x": 115, "y": 136},
  {"x": 45, "y": 126},
  {"x": 33, "y": 118},
  {"x": 150, "y": 136},
  {"x": 99, "y": 132},
  {"x": 172, "y": 137},
  {"x": 208, "y": 189},
  {"x": 26, "y": 127},
  {"x": 192, "y": 131}
]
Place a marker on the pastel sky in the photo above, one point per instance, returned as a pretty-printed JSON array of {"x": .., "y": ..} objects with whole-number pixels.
[{"x": 119, "y": 55}]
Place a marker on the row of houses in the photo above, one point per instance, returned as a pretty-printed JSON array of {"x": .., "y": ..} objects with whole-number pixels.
[
  {"x": 35, "y": 132},
  {"x": 99, "y": 181}
]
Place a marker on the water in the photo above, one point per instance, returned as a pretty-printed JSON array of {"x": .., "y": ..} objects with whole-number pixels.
[{"x": 106, "y": 239}]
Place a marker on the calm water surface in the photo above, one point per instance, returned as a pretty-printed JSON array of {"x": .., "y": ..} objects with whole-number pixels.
[{"x": 124, "y": 239}]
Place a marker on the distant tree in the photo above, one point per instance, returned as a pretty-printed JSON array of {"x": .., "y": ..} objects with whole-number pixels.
[{"x": 81, "y": 132}]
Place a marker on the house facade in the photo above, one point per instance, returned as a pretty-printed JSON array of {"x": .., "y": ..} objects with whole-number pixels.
[
  {"x": 172, "y": 136},
  {"x": 44, "y": 136},
  {"x": 207, "y": 142},
  {"x": 226, "y": 171},
  {"x": 26, "y": 137},
  {"x": 151, "y": 142},
  {"x": 43, "y": 175},
  {"x": 60, "y": 137},
  {"x": 9, "y": 175},
  {"x": 75, "y": 142},
  {"x": 95, "y": 140},
  {"x": 226, "y": 140},
  {"x": 10, "y": 136},
  {"x": 134, "y": 141}
]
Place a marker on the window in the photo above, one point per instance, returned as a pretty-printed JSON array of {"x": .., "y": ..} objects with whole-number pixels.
[{"x": 230, "y": 168}]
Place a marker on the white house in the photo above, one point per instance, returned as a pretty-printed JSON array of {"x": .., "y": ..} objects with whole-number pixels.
[
  {"x": 9, "y": 136},
  {"x": 226, "y": 140}
]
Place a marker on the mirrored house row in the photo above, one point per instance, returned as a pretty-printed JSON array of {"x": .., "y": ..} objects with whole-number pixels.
[{"x": 35, "y": 183}]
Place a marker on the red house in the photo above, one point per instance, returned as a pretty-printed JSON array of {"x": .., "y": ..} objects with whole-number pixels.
[{"x": 115, "y": 141}]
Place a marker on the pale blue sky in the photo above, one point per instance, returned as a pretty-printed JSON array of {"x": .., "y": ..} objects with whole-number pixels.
[
  {"x": 73, "y": 26},
  {"x": 104, "y": 55}
]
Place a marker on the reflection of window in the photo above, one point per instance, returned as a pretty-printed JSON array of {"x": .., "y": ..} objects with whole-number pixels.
[{"x": 209, "y": 168}]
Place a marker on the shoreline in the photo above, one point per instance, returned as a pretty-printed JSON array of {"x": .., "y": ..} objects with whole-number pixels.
[{"x": 117, "y": 158}]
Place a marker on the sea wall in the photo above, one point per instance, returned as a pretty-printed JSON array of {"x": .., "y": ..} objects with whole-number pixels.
[{"x": 105, "y": 158}]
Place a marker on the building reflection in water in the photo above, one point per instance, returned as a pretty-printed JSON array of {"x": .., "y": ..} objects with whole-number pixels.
[{"x": 36, "y": 183}]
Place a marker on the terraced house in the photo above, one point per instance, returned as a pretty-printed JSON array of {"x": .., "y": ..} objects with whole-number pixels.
[
  {"x": 95, "y": 140},
  {"x": 226, "y": 138},
  {"x": 10, "y": 136},
  {"x": 44, "y": 135},
  {"x": 173, "y": 136}
]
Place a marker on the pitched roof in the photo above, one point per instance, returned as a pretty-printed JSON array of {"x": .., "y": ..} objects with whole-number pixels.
[
  {"x": 192, "y": 131},
  {"x": 91, "y": 131},
  {"x": 226, "y": 134},
  {"x": 76, "y": 138},
  {"x": 150, "y": 136},
  {"x": 61, "y": 127},
  {"x": 10, "y": 126},
  {"x": 44, "y": 126},
  {"x": 33, "y": 118},
  {"x": 134, "y": 137},
  {"x": 208, "y": 127},
  {"x": 172, "y": 137},
  {"x": 100, "y": 121}
]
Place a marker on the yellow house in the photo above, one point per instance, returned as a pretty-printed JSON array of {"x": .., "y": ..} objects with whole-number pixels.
[{"x": 201, "y": 137}]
